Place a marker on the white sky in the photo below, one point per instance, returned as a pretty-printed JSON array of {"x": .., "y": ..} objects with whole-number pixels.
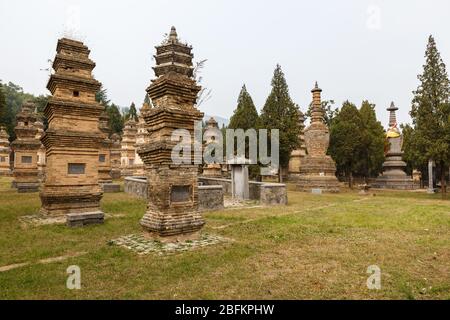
[{"x": 355, "y": 49}]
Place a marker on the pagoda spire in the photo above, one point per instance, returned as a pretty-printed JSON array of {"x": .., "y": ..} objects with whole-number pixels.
[
  {"x": 173, "y": 36},
  {"x": 392, "y": 116},
  {"x": 317, "y": 110}
]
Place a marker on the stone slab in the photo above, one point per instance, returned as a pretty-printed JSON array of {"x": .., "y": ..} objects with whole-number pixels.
[{"x": 85, "y": 218}]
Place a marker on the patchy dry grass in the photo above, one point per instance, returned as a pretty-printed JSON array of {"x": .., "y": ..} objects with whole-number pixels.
[{"x": 317, "y": 247}]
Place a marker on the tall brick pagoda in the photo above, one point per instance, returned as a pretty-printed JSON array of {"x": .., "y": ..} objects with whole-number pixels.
[
  {"x": 317, "y": 169},
  {"x": 142, "y": 137},
  {"x": 5, "y": 150},
  {"x": 41, "y": 152},
  {"x": 104, "y": 157},
  {"x": 211, "y": 169},
  {"x": 172, "y": 211},
  {"x": 116, "y": 150},
  {"x": 300, "y": 152},
  {"x": 128, "y": 147},
  {"x": 25, "y": 149},
  {"x": 73, "y": 138}
]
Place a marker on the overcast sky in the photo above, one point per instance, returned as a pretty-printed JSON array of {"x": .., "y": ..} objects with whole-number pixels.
[{"x": 355, "y": 49}]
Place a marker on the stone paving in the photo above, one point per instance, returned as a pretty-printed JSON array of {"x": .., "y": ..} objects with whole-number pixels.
[
  {"x": 141, "y": 245},
  {"x": 37, "y": 220}
]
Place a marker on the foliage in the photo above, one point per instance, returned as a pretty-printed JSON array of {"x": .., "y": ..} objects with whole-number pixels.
[
  {"x": 280, "y": 112},
  {"x": 429, "y": 137},
  {"x": 245, "y": 115},
  {"x": 329, "y": 112}
]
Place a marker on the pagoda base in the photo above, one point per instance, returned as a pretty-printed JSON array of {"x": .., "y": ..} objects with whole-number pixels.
[
  {"x": 63, "y": 200},
  {"x": 394, "y": 182},
  {"x": 172, "y": 226},
  {"x": 5, "y": 173},
  {"x": 293, "y": 177},
  {"x": 212, "y": 171},
  {"x": 329, "y": 184},
  {"x": 318, "y": 172},
  {"x": 26, "y": 187},
  {"x": 84, "y": 219},
  {"x": 110, "y": 187}
]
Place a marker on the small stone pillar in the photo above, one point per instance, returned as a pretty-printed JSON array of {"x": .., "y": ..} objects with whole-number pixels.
[
  {"x": 41, "y": 152},
  {"x": 430, "y": 176},
  {"x": 142, "y": 138},
  {"x": 128, "y": 148},
  {"x": 298, "y": 154},
  {"x": 240, "y": 188}
]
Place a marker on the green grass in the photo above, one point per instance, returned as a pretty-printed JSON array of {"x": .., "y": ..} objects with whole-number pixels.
[{"x": 317, "y": 247}]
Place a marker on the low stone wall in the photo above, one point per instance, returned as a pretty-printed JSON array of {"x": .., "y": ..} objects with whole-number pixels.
[
  {"x": 137, "y": 186},
  {"x": 265, "y": 192},
  {"x": 210, "y": 198}
]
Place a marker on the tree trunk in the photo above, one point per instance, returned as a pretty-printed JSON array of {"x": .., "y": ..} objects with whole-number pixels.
[
  {"x": 443, "y": 182},
  {"x": 350, "y": 179}
]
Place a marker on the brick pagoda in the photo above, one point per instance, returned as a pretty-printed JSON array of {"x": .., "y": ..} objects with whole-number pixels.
[
  {"x": 116, "y": 150},
  {"x": 73, "y": 138},
  {"x": 104, "y": 157},
  {"x": 128, "y": 147},
  {"x": 317, "y": 169},
  {"x": 211, "y": 169},
  {"x": 41, "y": 152},
  {"x": 25, "y": 149},
  {"x": 300, "y": 152},
  {"x": 172, "y": 211},
  {"x": 5, "y": 150},
  {"x": 141, "y": 140}
]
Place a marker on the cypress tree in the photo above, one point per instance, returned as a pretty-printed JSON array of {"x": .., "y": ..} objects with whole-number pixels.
[
  {"x": 280, "y": 112},
  {"x": 373, "y": 139},
  {"x": 346, "y": 139},
  {"x": 430, "y": 113},
  {"x": 245, "y": 115},
  {"x": 2, "y": 106}
]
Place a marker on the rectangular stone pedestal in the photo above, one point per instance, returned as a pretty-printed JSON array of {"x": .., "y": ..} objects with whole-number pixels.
[
  {"x": 27, "y": 187},
  {"x": 110, "y": 187},
  {"x": 83, "y": 219}
]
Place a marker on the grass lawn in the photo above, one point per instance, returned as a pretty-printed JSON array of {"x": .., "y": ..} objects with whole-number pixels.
[{"x": 317, "y": 247}]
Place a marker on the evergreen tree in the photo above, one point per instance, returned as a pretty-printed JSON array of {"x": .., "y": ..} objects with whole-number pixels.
[
  {"x": 430, "y": 113},
  {"x": 373, "y": 139},
  {"x": 280, "y": 112},
  {"x": 102, "y": 97},
  {"x": 346, "y": 140},
  {"x": 147, "y": 99},
  {"x": 245, "y": 115},
  {"x": 132, "y": 113},
  {"x": 116, "y": 121}
]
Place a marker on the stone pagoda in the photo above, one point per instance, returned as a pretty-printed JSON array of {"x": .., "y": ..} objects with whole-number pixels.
[
  {"x": 116, "y": 150},
  {"x": 298, "y": 154},
  {"x": 5, "y": 150},
  {"x": 172, "y": 211},
  {"x": 104, "y": 157},
  {"x": 73, "y": 138},
  {"x": 41, "y": 152},
  {"x": 128, "y": 147},
  {"x": 394, "y": 176},
  {"x": 25, "y": 149},
  {"x": 142, "y": 138},
  {"x": 317, "y": 169},
  {"x": 211, "y": 169}
]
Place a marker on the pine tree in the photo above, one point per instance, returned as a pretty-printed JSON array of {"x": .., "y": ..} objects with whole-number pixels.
[
  {"x": 147, "y": 99},
  {"x": 430, "y": 113},
  {"x": 346, "y": 140},
  {"x": 329, "y": 112},
  {"x": 280, "y": 112},
  {"x": 373, "y": 139},
  {"x": 245, "y": 115},
  {"x": 116, "y": 122},
  {"x": 132, "y": 113},
  {"x": 102, "y": 97}
]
